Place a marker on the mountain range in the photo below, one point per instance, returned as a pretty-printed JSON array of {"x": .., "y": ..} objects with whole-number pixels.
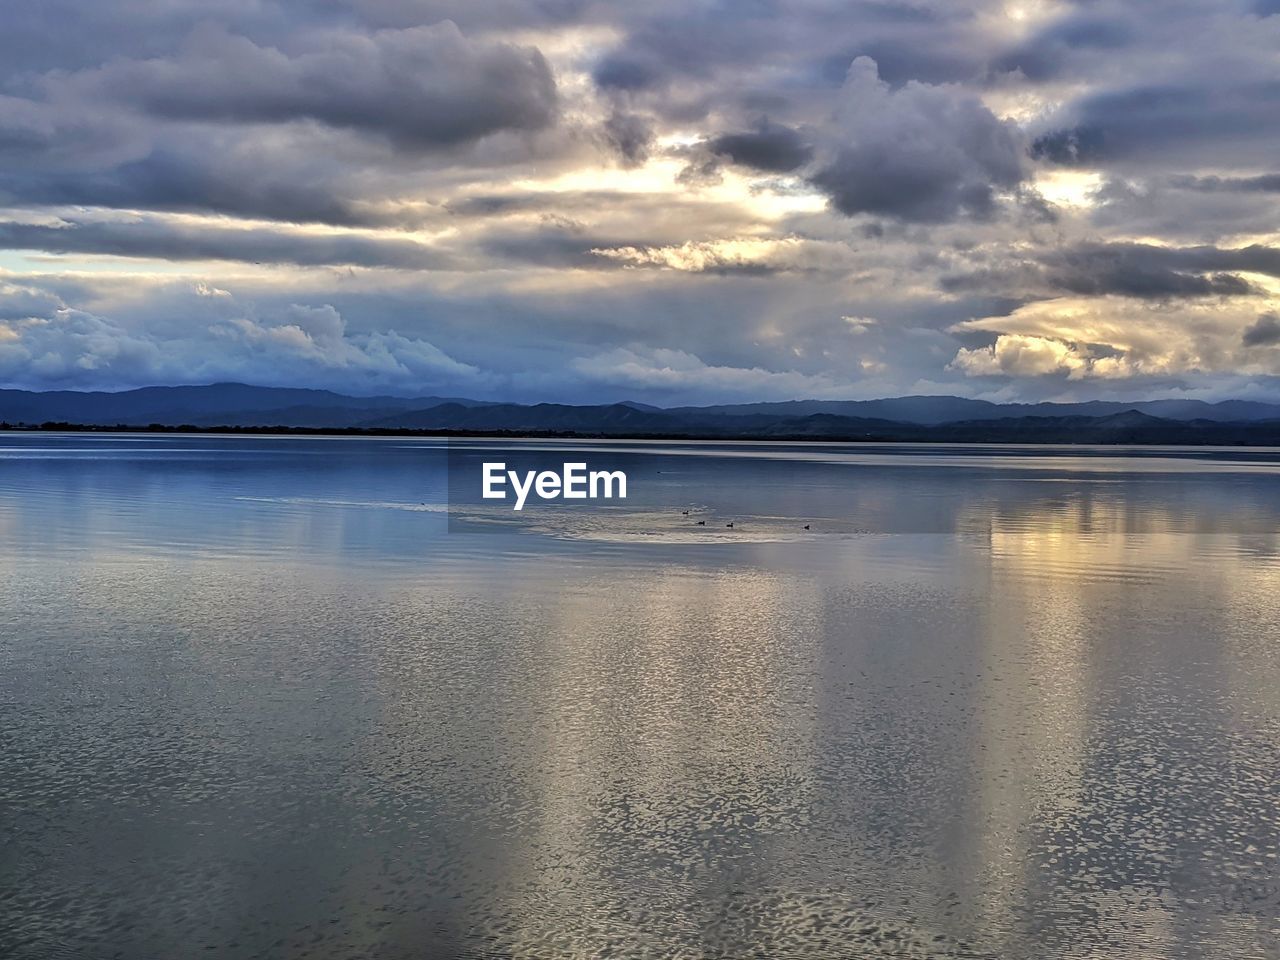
[{"x": 917, "y": 418}]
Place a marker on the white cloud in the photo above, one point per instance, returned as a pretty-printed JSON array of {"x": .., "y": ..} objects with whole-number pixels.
[
  {"x": 924, "y": 153},
  {"x": 675, "y": 370},
  {"x": 1015, "y": 355},
  {"x": 859, "y": 325},
  {"x": 67, "y": 347},
  {"x": 433, "y": 198},
  {"x": 745, "y": 254},
  {"x": 1112, "y": 338}
]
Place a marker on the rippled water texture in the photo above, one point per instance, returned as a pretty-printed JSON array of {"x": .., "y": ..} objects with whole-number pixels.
[{"x": 267, "y": 698}]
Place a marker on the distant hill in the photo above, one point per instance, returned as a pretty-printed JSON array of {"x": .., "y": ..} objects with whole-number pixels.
[
  {"x": 620, "y": 418},
  {"x": 932, "y": 410},
  {"x": 216, "y": 404},
  {"x": 909, "y": 419}
]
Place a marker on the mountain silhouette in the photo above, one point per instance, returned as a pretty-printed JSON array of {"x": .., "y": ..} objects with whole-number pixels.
[{"x": 906, "y": 419}]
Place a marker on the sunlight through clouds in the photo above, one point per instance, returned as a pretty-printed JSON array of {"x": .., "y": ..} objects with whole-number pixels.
[{"x": 1032, "y": 199}]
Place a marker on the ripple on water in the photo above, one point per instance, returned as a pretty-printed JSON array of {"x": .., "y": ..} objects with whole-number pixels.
[{"x": 315, "y": 722}]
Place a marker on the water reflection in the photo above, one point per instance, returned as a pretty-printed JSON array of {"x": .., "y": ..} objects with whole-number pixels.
[{"x": 258, "y": 700}]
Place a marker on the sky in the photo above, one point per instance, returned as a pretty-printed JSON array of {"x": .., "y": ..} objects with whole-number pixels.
[{"x": 671, "y": 201}]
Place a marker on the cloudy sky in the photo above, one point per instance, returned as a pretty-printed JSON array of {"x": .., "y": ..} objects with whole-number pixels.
[{"x": 671, "y": 201}]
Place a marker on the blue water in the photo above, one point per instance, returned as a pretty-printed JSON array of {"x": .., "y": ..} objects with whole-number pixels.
[{"x": 288, "y": 697}]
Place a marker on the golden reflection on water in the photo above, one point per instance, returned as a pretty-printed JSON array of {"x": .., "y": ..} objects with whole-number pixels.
[
  {"x": 1044, "y": 723},
  {"x": 1057, "y": 569}
]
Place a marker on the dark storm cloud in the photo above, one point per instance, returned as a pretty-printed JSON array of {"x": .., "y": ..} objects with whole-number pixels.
[
  {"x": 921, "y": 153},
  {"x": 1064, "y": 44},
  {"x": 331, "y": 127},
  {"x": 72, "y": 34},
  {"x": 605, "y": 201},
  {"x": 162, "y": 240},
  {"x": 1172, "y": 123},
  {"x": 1264, "y": 183},
  {"x": 212, "y": 182},
  {"x": 917, "y": 188},
  {"x": 1255, "y": 258},
  {"x": 631, "y": 135},
  {"x": 771, "y": 147},
  {"x": 621, "y": 72},
  {"x": 1137, "y": 270},
  {"x": 1156, "y": 284},
  {"x": 669, "y": 44},
  {"x": 421, "y": 87},
  {"x": 1142, "y": 271},
  {"x": 1264, "y": 333}
]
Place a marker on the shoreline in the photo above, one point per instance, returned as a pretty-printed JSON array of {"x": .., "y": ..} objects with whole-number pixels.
[{"x": 911, "y": 434}]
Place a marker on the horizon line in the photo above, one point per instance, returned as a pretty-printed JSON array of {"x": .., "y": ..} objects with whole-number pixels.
[{"x": 630, "y": 402}]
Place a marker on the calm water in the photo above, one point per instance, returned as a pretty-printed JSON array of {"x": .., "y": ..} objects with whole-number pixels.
[{"x": 264, "y": 697}]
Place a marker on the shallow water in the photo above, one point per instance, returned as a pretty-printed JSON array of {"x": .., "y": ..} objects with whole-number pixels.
[{"x": 268, "y": 697}]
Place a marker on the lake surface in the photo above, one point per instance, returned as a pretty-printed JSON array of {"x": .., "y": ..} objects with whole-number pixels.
[{"x": 268, "y": 697}]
